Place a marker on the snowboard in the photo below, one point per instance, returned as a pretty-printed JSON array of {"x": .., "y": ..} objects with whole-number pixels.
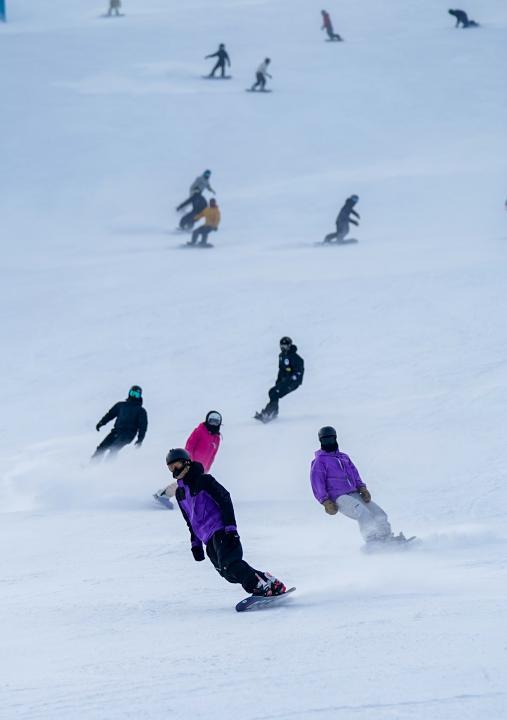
[
  {"x": 110, "y": 16},
  {"x": 164, "y": 500},
  {"x": 259, "y": 91},
  {"x": 197, "y": 245},
  {"x": 216, "y": 77},
  {"x": 347, "y": 241},
  {"x": 373, "y": 547},
  {"x": 259, "y": 602}
]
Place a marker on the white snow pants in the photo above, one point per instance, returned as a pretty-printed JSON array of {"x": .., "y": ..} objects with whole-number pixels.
[{"x": 373, "y": 522}]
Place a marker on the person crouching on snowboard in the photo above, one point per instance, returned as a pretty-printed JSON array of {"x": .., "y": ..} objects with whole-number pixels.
[
  {"x": 211, "y": 217},
  {"x": 343, "y": 220},
  {"x": 291, "y": 368},
  {"x": 207, "y": 509},
  {"x": 131, "y": 420},
  {"x": 198, "y": 203},
  {"x": 202, "y": 446},
  {"x": 338, "y": 487}
]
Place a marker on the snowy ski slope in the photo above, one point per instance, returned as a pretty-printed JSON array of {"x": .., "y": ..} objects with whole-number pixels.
[{"x": 104, "y": 124}]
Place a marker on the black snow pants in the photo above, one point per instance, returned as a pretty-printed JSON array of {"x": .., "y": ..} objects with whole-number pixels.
[
  {"x": 279, "y": 390},
  {"x": 204, "y": 230},
  {"x": 219, "y": 64},
  {"x": 187, "y": 221},
  {"x": 331, "y": 33},
  {"x": 261, "y": 82},
  {"x": 112, "y": 442},
  {"x": 225, "y": 552},
  {"x": 342, "y": 230}
]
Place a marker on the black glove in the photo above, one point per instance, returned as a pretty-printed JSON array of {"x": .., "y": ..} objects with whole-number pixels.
[
  {"x": 97, "y": 427},
  {"x": 198, "y": 553},
  {"x": 365, "y": 493}
]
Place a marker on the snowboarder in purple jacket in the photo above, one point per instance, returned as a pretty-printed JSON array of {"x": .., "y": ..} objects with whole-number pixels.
[
  {"x": 208, "y": 511},
  {"x": 337, "y": 485}
]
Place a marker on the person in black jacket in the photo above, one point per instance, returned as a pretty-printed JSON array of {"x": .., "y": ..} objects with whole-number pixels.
[
  {"x": 222, "y": 59},
  {"x": 131, "y": 420},
  {"x": 198, "y": 203},
  {"x": 207, "y": 509},
  {"x": 291, "y": 368},
  {"x": 343, "y": 220},
  {"x": 462, "y": 19}
]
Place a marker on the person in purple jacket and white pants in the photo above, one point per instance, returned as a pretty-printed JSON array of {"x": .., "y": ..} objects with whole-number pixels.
[
  {"x": 337, "y": 485},
  {"x": 208, "y": 511}
]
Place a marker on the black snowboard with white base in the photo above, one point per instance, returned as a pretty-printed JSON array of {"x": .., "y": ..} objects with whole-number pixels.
[{"x": 260, "y": 602}]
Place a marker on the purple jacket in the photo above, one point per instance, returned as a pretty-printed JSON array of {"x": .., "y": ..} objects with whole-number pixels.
[
  {"x": 205, "y": 504},
  {"x": 333, "y": 474}
]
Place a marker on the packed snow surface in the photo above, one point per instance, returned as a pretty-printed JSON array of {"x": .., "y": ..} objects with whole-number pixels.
[{"x": 105, "y": 123}]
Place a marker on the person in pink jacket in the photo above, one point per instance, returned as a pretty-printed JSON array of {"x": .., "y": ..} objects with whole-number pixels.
[{"x": 202, "y": 446}]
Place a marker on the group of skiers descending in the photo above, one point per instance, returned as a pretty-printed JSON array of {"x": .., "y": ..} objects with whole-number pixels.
[{"x": 206, "y": 506}]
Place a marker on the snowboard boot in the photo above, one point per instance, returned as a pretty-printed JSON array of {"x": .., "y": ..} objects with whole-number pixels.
[{"x": 269, "y": 585}]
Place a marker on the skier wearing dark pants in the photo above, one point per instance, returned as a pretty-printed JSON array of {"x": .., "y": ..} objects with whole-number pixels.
[
  {"x": 327, "y": 25},
  {"x": 131, "y": 420},
  {"x": 291, "y": 369},
  {"x": 222, "y": 59},
  {"x": 211, "y": 217},
  {"x": 343, "y": 220},
  {"x": 462, "y": 19},
  {"x": 208, "y": 511},
  {"x": 261, "y": 75},
  {"x": 198, "y": 203}
]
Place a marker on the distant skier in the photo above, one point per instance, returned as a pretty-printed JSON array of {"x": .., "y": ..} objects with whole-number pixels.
[
  {"x": 338, "y": 487},
  {"x": 202, "y": 446},
  {"x": 343, "y": 220},
  {"x": 211, "y": 217},
  {"x": 261, "y": 75},
  {"x": 462, "y": 19},
  {"x": 291, "y": 368},
  {"x": 198, "y": 203},
  {"x": 327, "y": 25},
  {"x": 201, "y": 183},
  {"x": 131, "y": 420},
  {"x": 222, "y": 60},
  {"x": 208, "y": 511},
  {"x": 114, "y": 5}
]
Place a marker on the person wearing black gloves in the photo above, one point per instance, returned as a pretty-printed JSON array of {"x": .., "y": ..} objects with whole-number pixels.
[
  {"x": 462, "y": 19},
  {"x": 222, "y": 59},
  {"x": 207, "y": 509},
  {"x": 131, "y": 420},
  {"x": 291, "y": 368},
  {"x": 343, "y": 220},
  {"x": 198, "y": 203}
]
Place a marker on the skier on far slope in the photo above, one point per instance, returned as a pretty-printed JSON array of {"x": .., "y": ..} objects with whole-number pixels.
[
  {"x": 291, "y": 368},
  {"x": 338, "y": 487},
  {"x": 327, "y": 25},
  {"x": 208, "y": 511},
  {"x": 131, "y": 420},
  {"x": 462, "y": 19},
  {"x": 222, "y": 59},
  {"x": 261, "y": 75},
  {"x": 343, "y": 220},
  {"x": 202, "y": 446}
]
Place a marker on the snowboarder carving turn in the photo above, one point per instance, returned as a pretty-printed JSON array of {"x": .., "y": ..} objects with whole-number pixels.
[
  {"x": 211, "y": 217},
  {"x": 338, "y": 487},
  {"x": 261, "y": 75},
  {"x": 462, "y": 19},
  {"x": 343, "y": 220},
  {"x": 207, "y": 509},
  {"x": 222, "y": 59},
  {"x": 327, "y": 25},
  {"x": 131, "y": 420},
  {"x": 198, "y": 203},
  {"x": 202, "y": 446},
  {"x": 291, "y": 368}
]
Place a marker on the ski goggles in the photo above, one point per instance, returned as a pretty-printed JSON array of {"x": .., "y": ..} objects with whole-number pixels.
[
  {"x": 214, "y": 419},
  {"x": 135, "y": 393}
]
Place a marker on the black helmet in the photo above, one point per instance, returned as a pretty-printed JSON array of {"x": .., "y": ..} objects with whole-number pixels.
[
  {"x": 176, "y": 454},
  {"x": 207, "y": 173},
  {"x": 286, "y": 341},
  {"x": 327, "y": 432},
  {"x": 135, "y": 392},
  {"x": 214, "y": 418}
]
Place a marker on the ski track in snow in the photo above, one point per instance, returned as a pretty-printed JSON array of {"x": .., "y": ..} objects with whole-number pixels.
[{"x": 105, "y": 616}]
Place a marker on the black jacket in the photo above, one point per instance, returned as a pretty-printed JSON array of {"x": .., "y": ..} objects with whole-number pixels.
[
  {"x": 346, "y": 211},
  {"x": 222, "y": 56},
  {"x": 291, "y": 367},
  {"x": 461, "y": 17},
  {"x": 197, "y": 201},
  {"x": 131, "y": 419}
]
